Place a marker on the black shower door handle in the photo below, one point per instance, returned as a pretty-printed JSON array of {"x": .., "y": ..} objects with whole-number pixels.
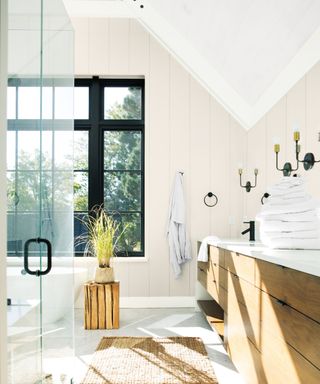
[{"x": 38, "y": 272}]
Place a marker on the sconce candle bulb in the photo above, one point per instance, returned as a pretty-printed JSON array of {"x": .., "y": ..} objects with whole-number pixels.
[
  {"x": 296, "y": 136},
  {"x": 277, "y": 148},
  {"x": 240, "y": 171}
]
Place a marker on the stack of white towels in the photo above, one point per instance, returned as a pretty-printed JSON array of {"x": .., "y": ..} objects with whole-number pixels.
[{"x": 290, "y": 217}]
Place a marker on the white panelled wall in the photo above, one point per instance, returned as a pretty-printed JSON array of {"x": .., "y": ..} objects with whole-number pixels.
[
  {"x": 186, "y": 129},
  {"x": 300, "y": 106}
]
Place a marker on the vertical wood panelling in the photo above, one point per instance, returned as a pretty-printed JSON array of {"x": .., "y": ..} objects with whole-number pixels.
[
  {"x": 276, "y": 132},
  {"x": 138, "y": 49},
  {"x": 220, "y": 167},
  {"x": 159, "y": 162},
  {"x": 119, "y": 46},
  {"x": 179, "y": 150},
  {"x": 300, "y": 106},
  {"x": 237, "y": 153},
  {"x": 296, "y": 115},
  {"x": 185, "y": 128},
  {"x": 98, "y": 46},
  {"x": 256, "y": 158},
  {"x": 81, "y": 46},
  {"x": 199, "y": 167},
  {"x": 313, "y": 125}
]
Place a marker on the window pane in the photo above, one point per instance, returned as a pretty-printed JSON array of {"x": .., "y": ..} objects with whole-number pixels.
[
  {"x": 12, "y": 197},
  {"x": 122, "y": 103},
  {"x": 81, "y": 103},
  {"x": 122, "y": 191},
  {"x": 11, "y": 150},
  {"x": 80, "y": 188},
  {"x": 63, "y": 102},
  {"x": 63, "y": 148},
  {"x": 80, "y": 231},
  {"x": 11, "y": 103},
  {"x": 81, "y": 150},
  {"x": 29, "y": 150},
  {"x": 28, "y": 191},
  {"x": 122, "y": 150},
  {"x": 29, "y": 103},
  {"x": 131, "y": 239}
]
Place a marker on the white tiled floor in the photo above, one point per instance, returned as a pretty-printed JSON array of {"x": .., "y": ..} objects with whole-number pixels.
[{"x": 157, "y": 323}]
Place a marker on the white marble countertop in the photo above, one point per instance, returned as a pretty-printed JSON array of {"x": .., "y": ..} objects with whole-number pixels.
[{"x": 307, "y": 261}]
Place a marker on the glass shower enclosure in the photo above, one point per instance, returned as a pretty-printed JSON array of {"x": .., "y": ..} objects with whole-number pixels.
[{"x": 40, "y": 193}]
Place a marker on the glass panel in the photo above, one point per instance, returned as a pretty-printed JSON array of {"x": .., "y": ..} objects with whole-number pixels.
[
  {"x": 81, "y": 150},
  {"x": 81, "y": 103},
  {"x": 63, "y": 103},
  {"x": 122, "y": 150},
  {"x": 131, "y": 239},
  {"x": 80, "y": 188},
  {"x": 11, "y": 153},
  {"x": 122, "y": 103},
  {"x": 11, "y": 103},
  {"x": 29, "y": 102},
  {"x": 40, "y": 192},
  {"x": 63, "y": 150},
  {"x": 122, "y": 191},
  {"x": 80, "y": 231}
]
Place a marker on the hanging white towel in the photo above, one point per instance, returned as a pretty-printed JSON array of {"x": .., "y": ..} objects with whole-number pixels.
[
  {"x": 179, "y": 242},
  {"x": 203, "y": 250}
]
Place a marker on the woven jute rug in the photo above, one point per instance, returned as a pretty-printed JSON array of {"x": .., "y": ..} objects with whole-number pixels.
[{"x": 147, "y": 360}]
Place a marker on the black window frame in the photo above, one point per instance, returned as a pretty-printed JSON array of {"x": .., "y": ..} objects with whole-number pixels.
[{"x": 96, "y": 125}]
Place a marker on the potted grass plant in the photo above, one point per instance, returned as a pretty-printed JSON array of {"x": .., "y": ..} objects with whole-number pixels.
[{"x": 101, "y": 241}]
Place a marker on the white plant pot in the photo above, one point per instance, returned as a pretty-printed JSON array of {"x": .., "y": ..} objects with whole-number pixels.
[{"x": 104, "y": 275}]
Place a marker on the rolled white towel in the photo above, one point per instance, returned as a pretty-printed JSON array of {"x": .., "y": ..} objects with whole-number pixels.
[
  {"x": 276, "y": 225},
  {"x": 307, "y": 215},
  {"x": 293, "y": 243},
  {"x": 294, "y": 208},
  {"x": 313, "y": 234},
  {"x": 203, "y": 250},
  {"x": 274, "y": 202}
]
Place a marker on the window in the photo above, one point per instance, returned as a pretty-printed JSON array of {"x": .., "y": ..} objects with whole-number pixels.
[{"x": 109, "y": 157}]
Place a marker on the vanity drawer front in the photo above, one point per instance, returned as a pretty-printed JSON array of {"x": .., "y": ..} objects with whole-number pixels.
[
  {"x": 217, "y": 255},
  {"x": 223, "y": 299},
  {"x": 246, "y": 357},
  {"x": 242, "y": 266},
  {"x": 289, "y": 325},
  {"x": 202, "y": 273},
  {"x": 243, "y": 307},
  {"x": 283, "y": 364},
  {"x": 300, "y": 290}
]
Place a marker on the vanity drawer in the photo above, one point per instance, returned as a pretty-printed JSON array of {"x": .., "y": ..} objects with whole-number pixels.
[
  {"x": 300, "y": 290},
  {"x": 283, "y": 364},
  {"x": 246, "y": 357},
  {"x": 242, "y": 266},
  {"x": 217, "y": 255},
  {"x": 291, "y": 326},
  {"x": 243, "y": 308},
  {"x": 202, "y": 273}
]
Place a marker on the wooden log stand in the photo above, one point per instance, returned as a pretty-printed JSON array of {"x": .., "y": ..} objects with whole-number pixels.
[{"x": 101, "y": 309}]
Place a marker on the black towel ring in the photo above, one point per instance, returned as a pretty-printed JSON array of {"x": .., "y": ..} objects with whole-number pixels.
[
  {"x": 210, "y": 194},
  {"x": 265, "y": 196}
]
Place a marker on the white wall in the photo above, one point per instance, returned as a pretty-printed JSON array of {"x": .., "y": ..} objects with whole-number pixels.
[
  {"x": 3, "y": 192},
  {"x": 185, "y": 129},
  {"x": 299, "y": 106}
]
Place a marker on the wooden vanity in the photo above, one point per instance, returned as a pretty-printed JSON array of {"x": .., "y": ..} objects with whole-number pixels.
[{"x": 270, "y": 315}]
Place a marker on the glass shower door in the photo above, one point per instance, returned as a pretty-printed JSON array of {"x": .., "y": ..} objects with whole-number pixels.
[{"x": 40, "y": 193}]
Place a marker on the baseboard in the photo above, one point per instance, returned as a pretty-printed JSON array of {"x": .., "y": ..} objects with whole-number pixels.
[{"x": 154, "y": 302}]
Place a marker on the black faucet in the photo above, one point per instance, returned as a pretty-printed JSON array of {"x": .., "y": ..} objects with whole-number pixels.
[{"x": 251, "y": 229}]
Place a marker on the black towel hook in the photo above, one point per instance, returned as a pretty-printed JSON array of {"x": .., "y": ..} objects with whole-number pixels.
[{"x": 210, "y": 194}]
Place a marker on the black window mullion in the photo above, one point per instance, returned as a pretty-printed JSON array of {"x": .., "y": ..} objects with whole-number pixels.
[{"x": 95, "y": 147}]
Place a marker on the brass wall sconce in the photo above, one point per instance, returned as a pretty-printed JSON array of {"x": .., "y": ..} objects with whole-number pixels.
[
  {"x": 308, "y": 160},
  {"x": 248, "y": 186}
]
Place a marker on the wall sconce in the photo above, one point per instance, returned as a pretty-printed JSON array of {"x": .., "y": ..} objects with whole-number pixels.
[
  {"x": 287, "y": 168},
  {"x": 308, "y": 160},
  {"x": 248, "y": 186}
]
